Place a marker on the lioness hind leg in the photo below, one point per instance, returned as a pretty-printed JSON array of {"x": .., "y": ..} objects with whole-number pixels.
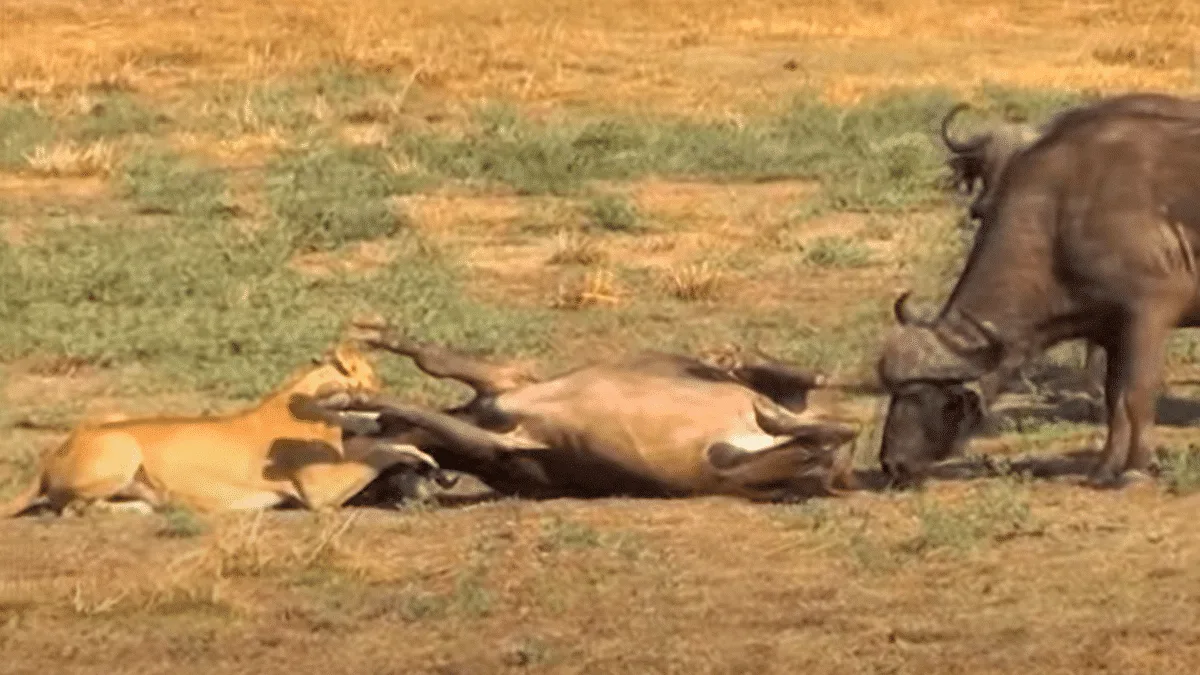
[{"x": 106, "y": 467}]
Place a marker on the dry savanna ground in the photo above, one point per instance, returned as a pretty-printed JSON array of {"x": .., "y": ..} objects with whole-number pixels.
[{"x": 195, "y": 195}]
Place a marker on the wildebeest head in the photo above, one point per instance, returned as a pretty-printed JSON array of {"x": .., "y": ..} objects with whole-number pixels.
[{"x": 931, "y": 413}]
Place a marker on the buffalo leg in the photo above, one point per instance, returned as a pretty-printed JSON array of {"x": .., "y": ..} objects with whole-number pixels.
[
  {"x": 1134, "y": 371},
  {"x": 1146, "y": 381},
  {"x": 1094, "y": 367}
]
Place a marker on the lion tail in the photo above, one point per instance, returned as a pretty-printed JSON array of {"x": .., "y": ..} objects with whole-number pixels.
[{"x": 28, "y": 496}]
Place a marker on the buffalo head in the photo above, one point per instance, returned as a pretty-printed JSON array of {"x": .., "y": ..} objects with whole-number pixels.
[{"x": 931, "y": 413}]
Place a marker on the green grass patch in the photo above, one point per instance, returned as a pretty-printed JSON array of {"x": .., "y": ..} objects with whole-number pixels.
[
  {"x": 880, "y": 155},
  {"x": 558, "y": 533},
  {"x": 334, "y": 195},
  {"x": 180, "y": 523},
  {"x": 215, "y": 308},
  {"x": 162, "y": 182},
  {"x": 1181, "y": 470},
  {"x": 1029, "y": 105},
  {"x": 24, "y": 128},
  {"x": 837, "y": 252},
  {"x": 997, "y": 510},
  {"x": 304, "y": 105},
  {"x": 113, "y": 116},
  {"x": 613, "y": 213}
]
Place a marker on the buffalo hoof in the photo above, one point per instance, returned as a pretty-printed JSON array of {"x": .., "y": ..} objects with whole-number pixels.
[
  {"x": 1136, "y": 478},
  {"x": 1109, "y": 480},
  {"x": 1104, "y": 479}
]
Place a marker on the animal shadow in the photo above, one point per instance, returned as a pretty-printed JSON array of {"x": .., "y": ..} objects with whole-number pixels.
[
  {"x": 1076, "y": 464},
  {"x": 1170, "y": 410}
]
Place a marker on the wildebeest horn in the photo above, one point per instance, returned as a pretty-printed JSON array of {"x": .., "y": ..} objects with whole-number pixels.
[{"x": 959, "y": 148}]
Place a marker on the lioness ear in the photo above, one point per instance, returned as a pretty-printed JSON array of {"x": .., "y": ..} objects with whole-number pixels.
[{"x": 344, "y": 356}]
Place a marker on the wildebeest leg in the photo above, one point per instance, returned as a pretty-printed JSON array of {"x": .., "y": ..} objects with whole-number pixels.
[
  {"x": 815, "y": 436},
  {"x": 766, "y": 474},
  {"x": 472, "y": 439},
  {"x": 487, "y": 379},
  {"x": 784, "y": 383},
  {"x": 779, "y": 421},
  {"x": 475, "y": 446}
]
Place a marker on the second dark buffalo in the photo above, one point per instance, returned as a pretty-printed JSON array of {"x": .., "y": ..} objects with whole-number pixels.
[{"x": 1089, "y": 233}]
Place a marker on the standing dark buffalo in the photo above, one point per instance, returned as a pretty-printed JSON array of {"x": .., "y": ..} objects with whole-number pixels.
[
  {"x": 1088, "y": 233},
  {"x": 980, "y": 160}
]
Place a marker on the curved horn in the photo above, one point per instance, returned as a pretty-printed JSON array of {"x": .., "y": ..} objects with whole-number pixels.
[
  {"x": 959, "y": 148},
  {"x": 904, "y": 314}
]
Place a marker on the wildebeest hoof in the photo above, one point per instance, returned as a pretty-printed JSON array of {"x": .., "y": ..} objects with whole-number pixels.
[
  {"x": 360, "y": 423},
  {"x": 343, "y": 400},
  {"x": 445, "y": 480}
]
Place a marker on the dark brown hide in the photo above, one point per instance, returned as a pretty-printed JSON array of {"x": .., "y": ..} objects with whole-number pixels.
[{"x": 1090, "y": 233}]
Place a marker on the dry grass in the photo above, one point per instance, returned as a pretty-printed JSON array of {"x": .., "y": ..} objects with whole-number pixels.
[
  {"x": 618, "y": 586},
  {"x": 69, "y": 160},
  {"x": 596, "y": 287},
  {"x": 699, "y": 281},
  {"x": 627, "y": 53},
  {"x": 572, "y": 247}
]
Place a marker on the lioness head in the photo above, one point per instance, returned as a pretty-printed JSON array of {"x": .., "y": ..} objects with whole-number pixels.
[{"x": 343, "y": 368}]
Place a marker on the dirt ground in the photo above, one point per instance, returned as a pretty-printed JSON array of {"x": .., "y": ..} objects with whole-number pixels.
[{"x": 978, "y": 574}]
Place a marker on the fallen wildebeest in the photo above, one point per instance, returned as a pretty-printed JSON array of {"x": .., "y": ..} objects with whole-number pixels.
[
  {"x": 655, "y": 424},
  {"x": 1091, "y": 233},
  {"x": 285, "y": 449}
]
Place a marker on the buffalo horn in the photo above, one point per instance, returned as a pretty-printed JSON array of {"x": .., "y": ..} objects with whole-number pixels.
[{"x": 959, "y": 148}]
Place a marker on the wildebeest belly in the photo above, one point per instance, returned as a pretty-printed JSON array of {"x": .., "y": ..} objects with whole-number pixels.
[{"x": 655, "y": 427}]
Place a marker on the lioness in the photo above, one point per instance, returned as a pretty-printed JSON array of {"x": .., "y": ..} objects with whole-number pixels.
[{"x": 285, "y": 449}]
